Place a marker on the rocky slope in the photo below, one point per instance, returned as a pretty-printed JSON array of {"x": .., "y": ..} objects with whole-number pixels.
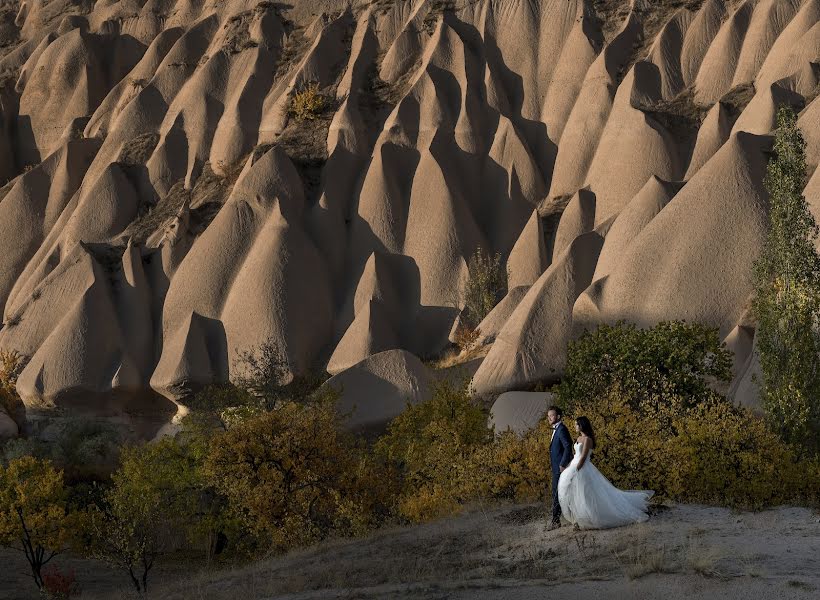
[{"x": 165, "y": 213}]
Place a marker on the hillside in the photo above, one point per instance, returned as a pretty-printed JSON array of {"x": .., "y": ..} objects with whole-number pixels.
[{"x": 168, "y": 211}]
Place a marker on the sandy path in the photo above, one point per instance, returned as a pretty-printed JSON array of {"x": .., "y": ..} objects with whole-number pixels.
[
  {"x": 504, "y": 553},
  {"x": 684, "y": 551}
]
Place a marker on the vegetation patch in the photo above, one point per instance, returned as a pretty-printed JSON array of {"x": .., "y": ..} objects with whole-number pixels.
[
  {"x": 736, "y": 99},
  {"x": 486, "y": 286},
  {"x": 206, "y": 198},
  {"x": 139, "y": 150},
  {"x": 304, "y": 139},
  {"x": 237, "y": 34},
  {"x": 308, "y": 103},
  {"x": 437, "y": 9}
]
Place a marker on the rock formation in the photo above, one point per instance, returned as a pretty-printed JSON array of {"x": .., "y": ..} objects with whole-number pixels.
[{"x": 165, "y": 212}]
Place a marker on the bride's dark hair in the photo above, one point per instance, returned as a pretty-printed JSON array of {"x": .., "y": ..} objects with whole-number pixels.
[{"x": 586, "y": 428}]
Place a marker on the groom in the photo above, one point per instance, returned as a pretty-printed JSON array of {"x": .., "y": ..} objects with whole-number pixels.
[{"x": 560, "y": 457}]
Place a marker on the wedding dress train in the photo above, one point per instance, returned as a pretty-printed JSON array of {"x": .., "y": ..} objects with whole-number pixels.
[{"x": 590, "y": 501}]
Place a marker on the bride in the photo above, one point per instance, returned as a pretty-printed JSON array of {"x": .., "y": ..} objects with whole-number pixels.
[{"x": 587, "y": 498}]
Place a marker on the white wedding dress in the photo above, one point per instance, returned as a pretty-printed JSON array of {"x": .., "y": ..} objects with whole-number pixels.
[{"x": 590, "y": 501}]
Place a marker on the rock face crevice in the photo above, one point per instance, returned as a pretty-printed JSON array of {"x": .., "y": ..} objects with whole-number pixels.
[{"x": 164, "y": 211}]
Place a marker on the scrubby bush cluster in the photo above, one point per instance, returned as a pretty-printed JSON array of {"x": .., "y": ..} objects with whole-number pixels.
[
  {"x": 308, "y": 103},
  {"x": 485, "y": 287},
  {"x": 661, "y": 425},
  {"x": 713, "y": 453},
  {"x": 292, "y": 476},
  {"x": 11, "y": 365}
]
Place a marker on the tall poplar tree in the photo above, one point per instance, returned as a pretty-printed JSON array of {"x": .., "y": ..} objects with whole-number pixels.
[{"x": 787, "y": 303}]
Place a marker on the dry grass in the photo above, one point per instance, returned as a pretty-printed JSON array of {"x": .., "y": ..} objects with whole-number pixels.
[
  {"x": 642, "y": 554},
  {"x": 704, "y": 559},
  {"x": 466, "y": 337},
  {"x": 456, "y": 357},
  {"x": 454, "y": 550},
  {"x": 640, "y": 561}
]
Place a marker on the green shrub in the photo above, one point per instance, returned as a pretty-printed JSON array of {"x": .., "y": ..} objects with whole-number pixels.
[
  {"x": 85, "y": 449},
  {"x": 669, "y": 363},
  {"x": 629, "y": 442},
  {"x": 260, "y": 382},
  {"x": 725, "y": 455},
  {"x": 20, "y": 447},
  {"x": 430, "y": 445},
  {"x": 486, "y": 286},
  {"x": 512, "y": 467},
  {"x": 219, "y": 406},
  {"x": 661, "y": 426}
]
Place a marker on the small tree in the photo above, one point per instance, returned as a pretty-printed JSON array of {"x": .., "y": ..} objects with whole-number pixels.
[
  {"x": 787, "y": 303},
  {"x": 264, "y": 380},
  {"x": 485, "y": 287},
  {"x": 152, "y": 503},
  {"x": 33, "y": 512}
]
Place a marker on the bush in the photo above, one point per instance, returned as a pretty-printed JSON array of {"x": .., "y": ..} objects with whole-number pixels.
[
  {"x": 430, "y": 445},
  {"x": 219, "y": 406},
  {"x": 20, "y": 447},
  {"x": 485, "y": 288},
  {"x": 308, "y": 103},
  {"x": 653, "y": 368},
  {"x": 660, "y": 426},
  {"x": 725, "y": 455},
  {"x": 629, "y": 443},
  {"x": 85, "y": 450},
  {"x": 714, "y": 453},
  {"x": 260, "y": 382},
  {"x": 292, "y": 477},
  {"x": 513, "y": 467},
  {"x": 59, "y": 585}
]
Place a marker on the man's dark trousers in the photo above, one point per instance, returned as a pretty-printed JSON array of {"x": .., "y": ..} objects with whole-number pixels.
[
  {"x": 556, "y": 506},
  {"x": 560, "y": 456}
]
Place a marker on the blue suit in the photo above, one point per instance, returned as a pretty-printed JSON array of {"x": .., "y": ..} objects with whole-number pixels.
[{"x": 560, "y": 456}]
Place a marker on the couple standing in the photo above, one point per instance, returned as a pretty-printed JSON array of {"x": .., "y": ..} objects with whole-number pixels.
[{"x": 579, "y": 491}]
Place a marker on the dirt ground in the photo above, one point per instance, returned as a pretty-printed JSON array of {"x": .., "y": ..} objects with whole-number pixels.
[{"x": 504, "y": 553}]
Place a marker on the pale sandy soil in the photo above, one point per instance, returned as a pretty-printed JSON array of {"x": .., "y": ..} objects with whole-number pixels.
[{"x": 503, "y": 553}]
